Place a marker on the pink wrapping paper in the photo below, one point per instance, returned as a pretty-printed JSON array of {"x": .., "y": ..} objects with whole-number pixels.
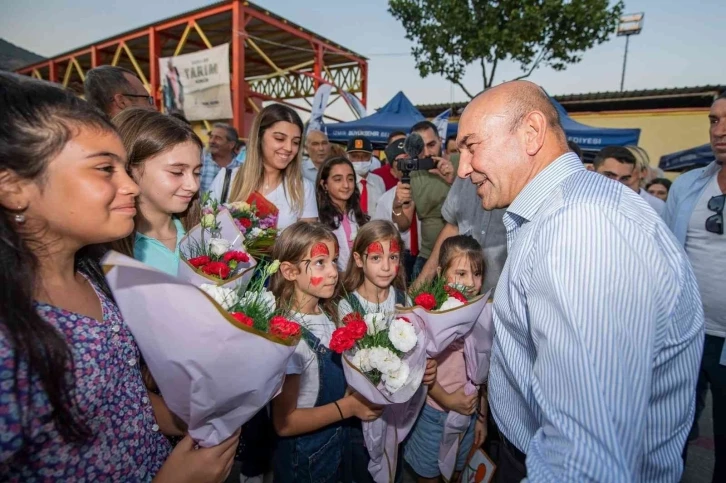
[
  {"x": 477, "y": 351},
  {"x": 473, "y": 322},
  {"x": 228, "y": 231},
  {"x": 214, "y": 373},
  {"x": 383, "y": 435}
]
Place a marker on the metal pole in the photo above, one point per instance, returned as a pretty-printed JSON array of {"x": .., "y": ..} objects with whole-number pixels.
[{"x": 625, "y": 61}]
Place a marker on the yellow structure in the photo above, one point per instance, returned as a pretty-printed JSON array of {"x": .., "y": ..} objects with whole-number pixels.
[{"x": 662, "y": 131}]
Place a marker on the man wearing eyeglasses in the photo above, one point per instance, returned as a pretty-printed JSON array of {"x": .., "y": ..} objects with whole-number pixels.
[
  {"x": 113, "y": 89},
  {"x": 694, "y": 212}
]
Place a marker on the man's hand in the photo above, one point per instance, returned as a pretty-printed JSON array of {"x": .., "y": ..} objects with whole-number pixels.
[
  {"x": 444, "y": 169},
  {"x": 403, "y": 196}
]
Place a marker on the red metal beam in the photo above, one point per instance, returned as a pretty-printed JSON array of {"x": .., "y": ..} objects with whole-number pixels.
[
  {"x": 364, "y": 83},
  {"x": 197, "y": 16},
  {"x": 318, "y": 67},
  {"x": 52, "y": 71},
  {"x": 238, "y": 68},
  {"x": 154, "y": 54},
  {"x": 123, "y": 38},
  {"x": 292, "y": 30},
  {"x": 94, "y": 57}
]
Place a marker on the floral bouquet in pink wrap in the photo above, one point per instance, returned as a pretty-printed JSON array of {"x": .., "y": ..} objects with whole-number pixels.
[
  {"x": 384, "y": 359},
  {"x": 213, "y": 252},
  {"x": 447, "y": 315},
  {"x": 218, "y": 354}
]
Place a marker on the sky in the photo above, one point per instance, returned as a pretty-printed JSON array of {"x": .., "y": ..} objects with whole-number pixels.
[{"x": 682, "y": 43}]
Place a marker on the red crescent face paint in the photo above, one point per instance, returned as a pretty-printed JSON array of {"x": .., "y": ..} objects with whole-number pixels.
[
  {"x": 315, "y": 281},
  {"x": 395, "y": 247},
  {"x": 319, "y": 249},
  {"x": 376, "y": 248}
]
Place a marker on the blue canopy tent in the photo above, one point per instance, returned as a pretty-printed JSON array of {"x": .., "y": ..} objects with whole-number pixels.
[
  {"x": 397, "y": 115},
  {"x": 587, "y": 137},
  {"x": 688, "y": 158}
]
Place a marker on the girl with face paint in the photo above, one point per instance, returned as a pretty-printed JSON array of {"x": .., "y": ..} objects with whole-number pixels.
[{"x": 316, "y": 419}]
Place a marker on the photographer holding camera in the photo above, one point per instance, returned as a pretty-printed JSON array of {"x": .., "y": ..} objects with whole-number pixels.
[{"x": 429, "y": 185}]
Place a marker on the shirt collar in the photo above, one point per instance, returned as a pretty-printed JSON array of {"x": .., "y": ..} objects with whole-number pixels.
[
  {"x": 711, "y": 169},
  {"x": 534, "y": 194}
]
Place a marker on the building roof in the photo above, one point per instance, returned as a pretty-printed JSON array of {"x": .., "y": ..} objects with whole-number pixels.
[{"x": 670, "y": 98}]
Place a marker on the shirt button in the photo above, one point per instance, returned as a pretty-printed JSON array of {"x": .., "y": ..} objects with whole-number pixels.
[
  {"x": 155, "y": 427},
  {"x": 145, "y": 400},
  {"x": 116, "y": 328},
  {"x": 132, "y": 362}
]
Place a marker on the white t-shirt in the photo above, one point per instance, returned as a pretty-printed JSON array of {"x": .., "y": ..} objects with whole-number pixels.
[
  {"x": 383, "y": 212},
  {"x": 286, "y": 216},
  {"x": 339, "y": 233},
  {"x": 305, "y": 362},
  {"x": 387, "y": 307},
  {"x": 707, "y": 252},
  {"x": 656, "y": 203},
  {"x": 375, "y": 188}
]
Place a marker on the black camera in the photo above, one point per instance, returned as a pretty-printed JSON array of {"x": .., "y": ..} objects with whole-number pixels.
[{"x": 406, "y": 165}]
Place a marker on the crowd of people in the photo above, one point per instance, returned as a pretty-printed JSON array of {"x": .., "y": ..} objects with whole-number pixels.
[{"x": 603, "y": 290}]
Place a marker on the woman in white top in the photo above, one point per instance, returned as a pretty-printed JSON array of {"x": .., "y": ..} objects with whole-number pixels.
[
  {"x": 272, "y": 171},
  {"x": 339, "y": 204}
]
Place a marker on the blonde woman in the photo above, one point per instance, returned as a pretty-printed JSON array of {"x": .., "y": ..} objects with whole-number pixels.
[{"x": 272, "y": 173}]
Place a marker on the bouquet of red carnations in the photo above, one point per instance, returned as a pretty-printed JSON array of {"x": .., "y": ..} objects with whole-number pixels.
[
  {"x": 257, "y": 224},
  {"x": 384, "y": 360},
  {"x": 213, "y": 252},
  {"x": 218, "y": 354}
]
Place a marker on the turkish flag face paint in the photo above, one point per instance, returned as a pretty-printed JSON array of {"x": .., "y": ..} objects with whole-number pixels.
[
  {"x": 394, "y": 246},
  {"x": 315, "y": 281},
  {"x": 319, "y": 249},
  {"x": 375, "y": 248}
]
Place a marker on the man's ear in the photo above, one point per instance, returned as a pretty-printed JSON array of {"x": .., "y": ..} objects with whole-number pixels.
[{"x": 289, "y": 271}]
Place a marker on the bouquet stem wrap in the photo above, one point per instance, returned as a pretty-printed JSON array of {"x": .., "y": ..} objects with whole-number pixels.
[
  {"x": 383, "y": 435},
  {"x": 473, "y": 322},
  {"x": 213, "y": 372}
]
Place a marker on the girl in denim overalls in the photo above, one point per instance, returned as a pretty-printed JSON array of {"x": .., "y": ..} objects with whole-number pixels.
[{"x": 314, "y": 415}]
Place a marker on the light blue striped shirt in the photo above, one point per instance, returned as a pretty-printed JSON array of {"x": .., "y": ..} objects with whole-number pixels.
[{"x": 599, "y": 332}]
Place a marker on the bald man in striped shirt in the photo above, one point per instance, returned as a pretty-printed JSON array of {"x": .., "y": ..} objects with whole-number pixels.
[{"x": 598, "y": 318}]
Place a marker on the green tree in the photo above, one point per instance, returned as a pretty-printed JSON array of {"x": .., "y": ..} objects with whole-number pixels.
[{"x": 450, "y": 35}]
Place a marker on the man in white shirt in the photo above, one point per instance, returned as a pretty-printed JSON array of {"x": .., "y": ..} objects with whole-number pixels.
[
  {"x": 694, "y": 212},
  {"x": 318, "y": 148},
  {"x": 619, "y": 164},
  {"x": 371, "y": 186}
]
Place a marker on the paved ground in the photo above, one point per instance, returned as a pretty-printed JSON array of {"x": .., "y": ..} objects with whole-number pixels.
[{"x": 699, "y": 466}]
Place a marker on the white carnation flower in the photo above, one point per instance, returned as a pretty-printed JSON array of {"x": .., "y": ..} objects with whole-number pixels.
[
  {"x": 402, "y": 335},
  {"x": 384, "y": 360},
  {"x": 375, "y": 322},
  {"x": 396, "y": 380},
  {"x": 450, "y": 303},
  {"x": 361, "y": 360},
  {"x": 225, "y": 297},
  {"x": 256, "y": 232},
  {"x": 266, "y": 297},
  {"x": 219, "y": 246}
]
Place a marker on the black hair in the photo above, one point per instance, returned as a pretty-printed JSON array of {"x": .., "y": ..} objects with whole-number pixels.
[
  {"x": 664, "y": 181},
  {"x": 328, "y": 213},
  {"x": 720, "y": 97},
  {"x": 104, "y": 82},
  {"x": 37, "y": 119},
  {"x": 424, "y": 125},
  {"x": 622, "y": 154},
  {"x": 232, "y": 135},
  {"x": 394, "y": 134},
  {"x": 575, "y": 148}
]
